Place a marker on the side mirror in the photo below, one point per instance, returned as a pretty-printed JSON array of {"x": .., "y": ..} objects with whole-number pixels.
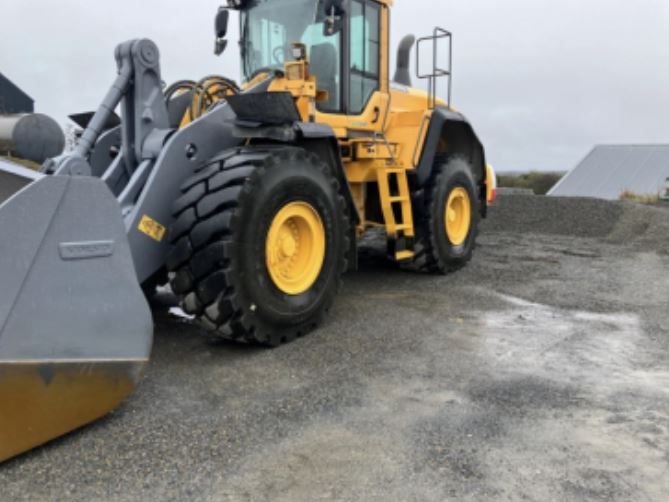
[
  {"x": 221, "y": 30},
  {"x": 222, "y": 19},
  {"x": 334, "y": 17}
]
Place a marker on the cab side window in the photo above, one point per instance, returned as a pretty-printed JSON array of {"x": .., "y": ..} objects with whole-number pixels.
[
  {"x": 365, "y": 53},
  {"x": 325, "y": 63}
]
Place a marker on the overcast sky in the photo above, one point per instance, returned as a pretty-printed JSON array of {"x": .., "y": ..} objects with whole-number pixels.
[{"x": 541, "y": 80}]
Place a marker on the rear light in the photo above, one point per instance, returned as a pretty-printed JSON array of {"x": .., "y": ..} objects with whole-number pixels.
[{"x": 491, "y": 184}]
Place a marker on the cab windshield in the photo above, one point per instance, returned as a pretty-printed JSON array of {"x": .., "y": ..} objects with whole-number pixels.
[{"x": 269, "y": 27}]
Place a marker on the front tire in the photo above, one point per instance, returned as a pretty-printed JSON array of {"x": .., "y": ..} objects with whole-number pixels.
[{"x": 259, "y": 244}]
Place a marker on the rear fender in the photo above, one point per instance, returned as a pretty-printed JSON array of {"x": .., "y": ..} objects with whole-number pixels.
[{"x": 450, "y": 133}]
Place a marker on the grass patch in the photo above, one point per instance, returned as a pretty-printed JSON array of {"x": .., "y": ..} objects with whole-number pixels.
[
  {"x": 650, "y": 199},
  {"x": 539, "y": 182}
]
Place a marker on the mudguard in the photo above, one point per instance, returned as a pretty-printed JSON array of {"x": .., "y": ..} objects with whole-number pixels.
[{"x": 459, "y": 136}]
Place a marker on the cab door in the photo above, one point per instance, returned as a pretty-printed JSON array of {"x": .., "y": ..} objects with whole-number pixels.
[
  {"x": 363, "y": 86},
  {"x": 366, "y": 90}
]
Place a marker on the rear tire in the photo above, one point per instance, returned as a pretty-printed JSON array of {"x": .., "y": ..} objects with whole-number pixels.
[
  {"x": 218, "y": 263},
  {"x": 440, "y": 247}
]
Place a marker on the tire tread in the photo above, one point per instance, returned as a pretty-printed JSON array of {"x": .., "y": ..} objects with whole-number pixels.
[{"x": 203, "y": 243}]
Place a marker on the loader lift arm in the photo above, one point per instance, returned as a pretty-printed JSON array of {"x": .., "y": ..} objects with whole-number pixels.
[
  {"x": 155, "y": 158},
  {"x": 75, "y": 328}
]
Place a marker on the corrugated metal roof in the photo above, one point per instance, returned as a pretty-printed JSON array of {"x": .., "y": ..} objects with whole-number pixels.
[
  {"x": 4, "y": 81},
  {"x": 13, "y": 99},
  {"x": 609, "y": 170}
]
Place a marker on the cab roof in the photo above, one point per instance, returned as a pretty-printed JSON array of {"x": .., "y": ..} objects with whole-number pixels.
[{"x": 236, "y": 4}]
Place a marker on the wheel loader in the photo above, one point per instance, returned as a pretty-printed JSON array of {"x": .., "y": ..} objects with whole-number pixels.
[{"x": 249, "y": 199}]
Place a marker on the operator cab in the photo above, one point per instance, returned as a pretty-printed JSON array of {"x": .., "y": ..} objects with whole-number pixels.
[{"x": 349, "y": 72}]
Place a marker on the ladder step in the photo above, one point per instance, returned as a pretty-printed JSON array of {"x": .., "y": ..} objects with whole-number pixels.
[
  {"x": 394, "y": 198},
  {"x": 404, "y": 255}
]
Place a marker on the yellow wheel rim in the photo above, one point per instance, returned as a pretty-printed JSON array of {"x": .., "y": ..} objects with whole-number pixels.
[
  {"x": 458, "y": 216},
  {"x": 295, "y": 248}
]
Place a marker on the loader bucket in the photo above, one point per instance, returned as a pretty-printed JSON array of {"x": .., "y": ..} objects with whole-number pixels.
[{"x": 75, "y": 328}]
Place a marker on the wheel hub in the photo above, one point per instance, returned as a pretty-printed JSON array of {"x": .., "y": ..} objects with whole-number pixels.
[
  {"x": 295, "y": 248},
  {"x": 288, "y": 246},
  {"x": 458, "y": 216}
]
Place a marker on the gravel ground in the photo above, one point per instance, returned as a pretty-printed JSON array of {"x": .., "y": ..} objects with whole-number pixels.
[{"x": 539, "y": 372}]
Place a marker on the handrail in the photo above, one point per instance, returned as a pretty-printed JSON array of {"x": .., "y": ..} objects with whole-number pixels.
[{"x": 437, "y": 72}]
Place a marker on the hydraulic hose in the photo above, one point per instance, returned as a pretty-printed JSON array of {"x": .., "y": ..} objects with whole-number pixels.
[{"x": 205, "y": 92}]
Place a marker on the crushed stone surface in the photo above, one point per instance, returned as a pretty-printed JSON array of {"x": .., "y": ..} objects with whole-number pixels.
[{"x": 539, "y": 372}]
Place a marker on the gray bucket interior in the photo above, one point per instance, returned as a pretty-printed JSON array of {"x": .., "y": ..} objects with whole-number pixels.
[{"x": 69, "y": 287}]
